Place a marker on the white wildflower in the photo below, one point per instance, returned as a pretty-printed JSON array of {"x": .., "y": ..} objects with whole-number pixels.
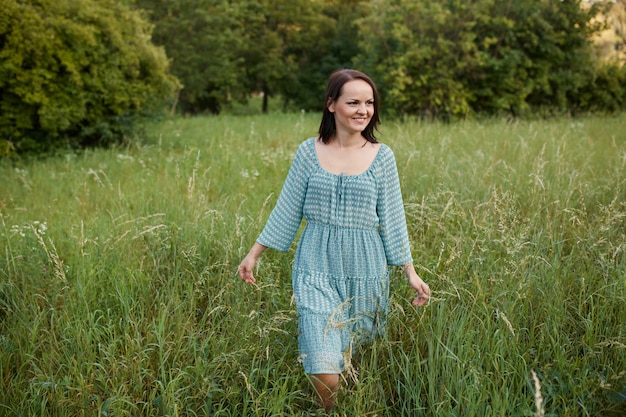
[{"x": 124, "y": 157}]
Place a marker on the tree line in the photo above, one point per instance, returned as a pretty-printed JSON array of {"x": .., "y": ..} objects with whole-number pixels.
[{"x": 81, "y": 72}]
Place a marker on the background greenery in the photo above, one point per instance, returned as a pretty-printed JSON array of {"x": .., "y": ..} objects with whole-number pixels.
[
  {"x": 78, "y": 74},
  {"x": 443, "y": 59},
  {"x": 119, "y": 293},
  {"x": 75, "y": 73}
]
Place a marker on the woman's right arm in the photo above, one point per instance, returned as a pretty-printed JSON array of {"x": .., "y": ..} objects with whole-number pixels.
[{"x": 285, "y": 219}]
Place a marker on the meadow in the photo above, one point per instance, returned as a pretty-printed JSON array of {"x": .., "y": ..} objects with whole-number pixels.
[{"x": 119, "y": 294}]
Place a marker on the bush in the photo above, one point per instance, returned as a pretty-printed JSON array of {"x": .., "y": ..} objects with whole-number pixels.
[
  {"x": 75, "y": 73},
  {"x": 606, "y": 91},
  {"x": 454, "y": 59}
]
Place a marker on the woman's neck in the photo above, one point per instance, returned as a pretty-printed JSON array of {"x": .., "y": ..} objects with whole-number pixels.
[{"x": 348, "y": 140}]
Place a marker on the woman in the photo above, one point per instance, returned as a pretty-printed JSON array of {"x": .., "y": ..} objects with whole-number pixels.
[{"x": 345, "y": 184}]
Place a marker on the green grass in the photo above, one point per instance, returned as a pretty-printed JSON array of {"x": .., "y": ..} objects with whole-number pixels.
[{"x": 119, "y": 294}]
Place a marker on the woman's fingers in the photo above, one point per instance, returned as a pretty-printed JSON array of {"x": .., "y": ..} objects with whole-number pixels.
[
  {"x": 246, "y": 274},
  {"x": 420, "y": 300},
  {"x": 423, "y": 294}
]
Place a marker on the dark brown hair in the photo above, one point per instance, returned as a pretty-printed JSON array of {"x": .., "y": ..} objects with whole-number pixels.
[{"x": 336, "y": 82}]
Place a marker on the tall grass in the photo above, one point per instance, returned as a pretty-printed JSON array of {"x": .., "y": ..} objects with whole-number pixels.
[{"x": 119, "y": 293}]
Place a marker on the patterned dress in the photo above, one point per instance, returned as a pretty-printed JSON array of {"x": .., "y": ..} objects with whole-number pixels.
[{"x": 355, "y": 228}]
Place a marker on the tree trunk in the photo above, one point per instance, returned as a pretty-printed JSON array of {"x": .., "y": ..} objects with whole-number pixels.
[{"x": 265, "y": 104}]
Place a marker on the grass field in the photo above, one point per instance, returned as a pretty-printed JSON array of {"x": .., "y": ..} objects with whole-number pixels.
[{"x": 119, "y": 294}]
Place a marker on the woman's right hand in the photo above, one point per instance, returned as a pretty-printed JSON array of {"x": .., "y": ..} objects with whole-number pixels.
[
  {"x": 247, "y": 265},
  {"x": 245, "y": 269}
]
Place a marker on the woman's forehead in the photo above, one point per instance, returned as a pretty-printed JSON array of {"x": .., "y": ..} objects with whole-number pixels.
[{"x": 357, "y": 88}]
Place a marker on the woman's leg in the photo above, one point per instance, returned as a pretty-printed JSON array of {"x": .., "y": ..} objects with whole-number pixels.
[{"x": 326, "y": 386}]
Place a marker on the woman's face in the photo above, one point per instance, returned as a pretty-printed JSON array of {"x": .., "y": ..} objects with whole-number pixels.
[{"x": 354, "y": 108}]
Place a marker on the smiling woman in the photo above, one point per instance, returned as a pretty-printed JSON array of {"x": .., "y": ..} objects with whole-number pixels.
[
  {"x": 348, "y": 152},
  {"x": 350, "y": 87},
  {"x": 354, "y": 108},
  {"x": 345, "y": 184}
]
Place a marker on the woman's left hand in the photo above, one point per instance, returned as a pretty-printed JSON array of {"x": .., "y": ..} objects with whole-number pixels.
[{"x": 423, "y": 291}]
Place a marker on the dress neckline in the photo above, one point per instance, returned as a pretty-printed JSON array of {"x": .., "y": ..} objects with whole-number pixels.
[{"x": 320, "y": 167}]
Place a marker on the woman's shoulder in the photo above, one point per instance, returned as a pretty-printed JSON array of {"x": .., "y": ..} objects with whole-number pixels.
[
  {"x": 306, "y": 144},
  {"x": 305, "y": 154},
  {"x": 385, "y": 153},
  {"x": 306, "y": 148}
]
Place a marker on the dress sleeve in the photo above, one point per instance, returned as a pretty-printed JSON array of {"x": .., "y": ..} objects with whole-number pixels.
[
  {"x": 390, "y": 208},
  {"x": 284, "y": 221}
]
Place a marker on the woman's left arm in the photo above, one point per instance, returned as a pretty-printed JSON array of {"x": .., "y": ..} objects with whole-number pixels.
[{"x": 393, "y": 227}]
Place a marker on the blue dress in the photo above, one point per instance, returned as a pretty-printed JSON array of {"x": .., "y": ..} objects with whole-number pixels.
[{"x": 355, "y": 228}]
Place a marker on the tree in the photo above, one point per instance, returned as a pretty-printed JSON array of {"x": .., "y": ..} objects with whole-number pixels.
[
  {"x": 557, "y": 38},
  {"x": 455, "y": 57},
  {"x": 203, "y": 39},
  {"x": 419, "y": 51},
  {"x": 223, "y": 50},
  {"x": 329, "y": 42},
  {"x": 268, "y": 24},
  {"x": 285, "y": 38},
  {"x": 75, "y": 72}
]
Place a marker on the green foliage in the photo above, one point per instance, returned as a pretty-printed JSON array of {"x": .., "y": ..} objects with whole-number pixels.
[
  {"x": 127, "y": 300},
  {"x": 75, "y": 73},
  {"x": 224, "y": 51},
  {"x": 270, "y": 26},
  {"x": 438, "y": 59},
  {"x": 329, "y": 42},
  {"x": 81, "y": 73},
  {"x": 202, "y": 39},
  {"x": 418, "y": 50},
  {"x": 604, "y": 92},
  {"x": 455, "y": 58}
]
